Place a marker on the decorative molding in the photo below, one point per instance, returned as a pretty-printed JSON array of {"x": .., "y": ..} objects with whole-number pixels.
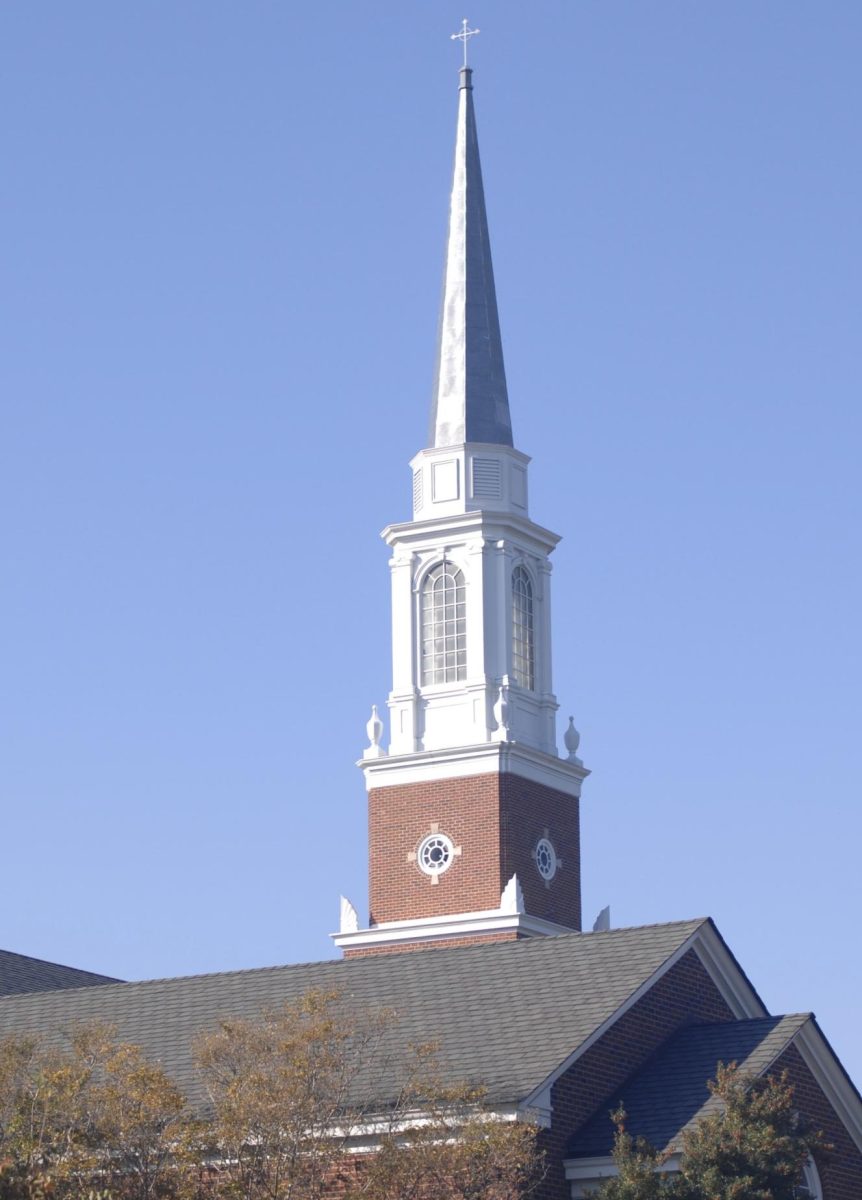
[
  {"x": 512, "y": 758},
  {"x": 349, "y": 917},
  {"x": 456, "y": 925},
  {"x": 492, "y": 526},
  {"x": 512, "y": 897}
]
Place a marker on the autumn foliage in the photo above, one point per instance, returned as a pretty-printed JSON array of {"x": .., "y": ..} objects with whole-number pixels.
[{"x": 288, "y": 1106}]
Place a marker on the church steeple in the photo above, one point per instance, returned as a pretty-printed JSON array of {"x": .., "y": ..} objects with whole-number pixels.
[
  {"x": 473, "y": 815},
  {"x": 470, "y": 401}
]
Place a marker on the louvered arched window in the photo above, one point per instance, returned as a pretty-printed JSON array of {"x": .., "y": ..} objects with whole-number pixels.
[
  {"x": 444, "y": 625},
  {"x": 523, "y": 642}
]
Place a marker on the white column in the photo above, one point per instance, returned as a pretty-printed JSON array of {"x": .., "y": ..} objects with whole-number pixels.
[{"x": 402, "y": 698}]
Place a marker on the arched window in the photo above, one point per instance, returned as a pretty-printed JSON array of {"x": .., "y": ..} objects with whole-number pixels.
[
  {"x": 810, "y": 1188},
  {"x": 444, "y": 625},
  {"x": 523, "y": 643}
]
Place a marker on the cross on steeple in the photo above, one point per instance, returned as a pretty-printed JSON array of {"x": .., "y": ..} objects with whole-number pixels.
[{"x": 464, "y": 36}]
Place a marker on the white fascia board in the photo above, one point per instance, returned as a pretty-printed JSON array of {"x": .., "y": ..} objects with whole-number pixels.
[
  {"x": 364, "y": 1138},
  {"x": 730, "y": 981},
  {"x": 726, "y": 974},
  {"x": 473, "y": 447},
  {"x": 831, "y": 1078},
  {"x": 585, "y": 1174},
  {"x": 456, "y": 925},
  {"x": 487, "y": 758},
  {"x": 492, "y": 525}
]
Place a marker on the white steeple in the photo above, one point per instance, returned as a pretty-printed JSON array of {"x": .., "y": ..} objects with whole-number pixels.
[
  {"x": 470, "y": 402},
  {"x": 473, "y": 816},
  {"x": 470, "y": 572}
]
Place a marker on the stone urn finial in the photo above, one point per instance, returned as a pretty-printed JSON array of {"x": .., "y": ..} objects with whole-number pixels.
[
  {"x": 572, "y": 739},
  {"x": 374, "y": 729},
  {"x": 501, "y": 711}
]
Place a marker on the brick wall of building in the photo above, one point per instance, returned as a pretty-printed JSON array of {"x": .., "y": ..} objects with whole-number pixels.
[
  {"x": 496, "y": 820},
  {"x": 529, "y": 811},
  {"x": 841, "y": 1172},
  {"x": 685, "y": 995}
]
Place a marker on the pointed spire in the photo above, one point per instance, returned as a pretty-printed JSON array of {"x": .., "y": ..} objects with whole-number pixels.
[{"x": 470, "y": 401}]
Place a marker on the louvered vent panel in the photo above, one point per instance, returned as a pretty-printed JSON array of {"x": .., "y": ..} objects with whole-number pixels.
[
  {"x": 487, "y": 478},
  {"x": 417, "y": 490}
]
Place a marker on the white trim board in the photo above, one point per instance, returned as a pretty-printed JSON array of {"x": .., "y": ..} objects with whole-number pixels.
[
  {"x": 456, "y": 925},
  {"x": 487, "y": 758},
  {"x": 722, "y": 969}
]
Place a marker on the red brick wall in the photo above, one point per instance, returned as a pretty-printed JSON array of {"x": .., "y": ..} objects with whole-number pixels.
[
  {"x": 685, "y": 995},
  {"x": 529, "y": 811},
  {"x": 496, "y": 819},
  {"x": 841, "y": 1173},
  {"x": 467, "y": 811}
]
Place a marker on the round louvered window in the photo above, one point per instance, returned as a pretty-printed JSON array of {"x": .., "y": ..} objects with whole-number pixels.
[
  {"x": 435, "y": 854},
  {"x": 546, "y": 859}
]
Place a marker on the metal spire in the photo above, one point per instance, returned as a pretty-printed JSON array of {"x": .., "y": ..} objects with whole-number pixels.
[{"x": 470, "y": 402}]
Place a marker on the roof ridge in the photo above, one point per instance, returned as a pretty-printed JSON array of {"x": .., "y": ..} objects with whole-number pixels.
[
  {"x": 133, "y": 983},
  {"x": 50, "y": 962},
  {"x": 696, "y": 921},
  {"x": 336, "y": 963}
]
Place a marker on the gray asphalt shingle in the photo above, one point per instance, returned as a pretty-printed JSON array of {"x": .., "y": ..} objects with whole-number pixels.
[
  {"x": 670, "y": 1092},
  {"x": 505, "y": 1014},
  {"x": 21, "y": 974}
]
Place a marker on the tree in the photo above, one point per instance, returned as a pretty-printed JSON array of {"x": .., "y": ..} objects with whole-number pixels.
[
  {"x": 442, "y": 1142},
  {"x": 753, "y": 1146},
  {"x": 638, "y": 1165},
  {"x": 299, "y": 1105},
  {"x": 139, "y": 1125},
  {"x": 88, "y": 1109},
  {"x": 297, "y": 1112},
  {"x": 283, "y": 1095}
]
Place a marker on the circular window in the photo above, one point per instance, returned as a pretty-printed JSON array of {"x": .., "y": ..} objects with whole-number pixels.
[
  {"x": 546, "y": 859},
  {"x": 435, "y": 854}
]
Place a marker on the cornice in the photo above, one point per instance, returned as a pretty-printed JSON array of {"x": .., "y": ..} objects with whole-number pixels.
[
  {"x": 512, "y": 758},
  {"x": 464, "y": 524},
  {"x": 455, "y": 925}
]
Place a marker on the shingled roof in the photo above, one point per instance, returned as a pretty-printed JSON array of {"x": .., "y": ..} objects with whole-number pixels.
[
  {"x": 505, "y": 1014},
  {"x": 670, "y": 1093},
  {"x": 20, "y": 974}
]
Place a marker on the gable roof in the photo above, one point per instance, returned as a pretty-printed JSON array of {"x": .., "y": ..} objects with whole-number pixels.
[
  {"x": 505, "y": 1014},
  {"x": 669, "y": 1094},
  {"x": 19, "y": 974}
]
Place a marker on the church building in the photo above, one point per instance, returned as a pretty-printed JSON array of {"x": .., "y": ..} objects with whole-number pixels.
[{"x": 473, "y": 931}]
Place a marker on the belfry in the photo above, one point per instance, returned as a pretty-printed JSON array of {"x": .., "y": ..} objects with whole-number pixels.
[{"x": 473, "y": 813}]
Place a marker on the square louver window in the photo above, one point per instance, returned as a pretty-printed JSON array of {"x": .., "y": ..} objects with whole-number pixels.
[{"x": 487, "y": 478}]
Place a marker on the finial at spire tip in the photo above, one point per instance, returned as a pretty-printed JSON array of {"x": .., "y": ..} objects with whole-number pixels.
[{"x": 464, "y": 36}]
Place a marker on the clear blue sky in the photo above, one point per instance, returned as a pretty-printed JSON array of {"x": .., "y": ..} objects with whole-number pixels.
[{"x": 222, "y": 231}]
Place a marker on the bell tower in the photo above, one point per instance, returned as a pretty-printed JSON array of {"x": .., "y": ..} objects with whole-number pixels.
[{"x": 473, "y": 815}]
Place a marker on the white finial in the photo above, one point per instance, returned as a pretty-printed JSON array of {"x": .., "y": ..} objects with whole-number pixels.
[
  {"x": 572, "y": 739},
  {"x": 602, "y": 922},
  {"x": 374, "y": 729},
  {"x": 349, "y": 922},
  {"x": 464, "y": 36},
  {"x": 512, "y": 897},
  {"x": 501, "y": 711}
]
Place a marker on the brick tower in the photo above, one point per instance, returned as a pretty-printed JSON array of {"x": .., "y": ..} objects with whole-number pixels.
[{"x": 473, "y": 815}]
